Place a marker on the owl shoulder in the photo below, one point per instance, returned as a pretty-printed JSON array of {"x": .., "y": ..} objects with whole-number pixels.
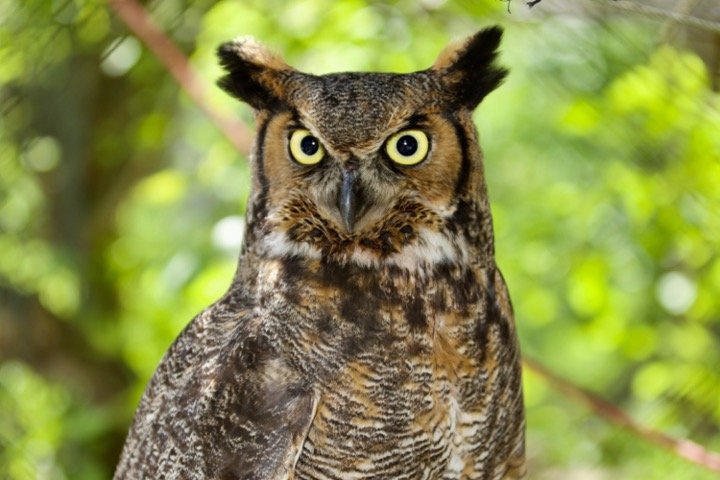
[{"x": 221, "y": 389}]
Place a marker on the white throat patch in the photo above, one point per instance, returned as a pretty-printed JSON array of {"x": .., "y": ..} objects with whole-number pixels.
[{"x": 427, "y": 249}]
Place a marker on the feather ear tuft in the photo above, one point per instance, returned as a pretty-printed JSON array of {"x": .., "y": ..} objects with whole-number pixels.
[
  {"x": 255, "y": 74},
  {"x": 468, "y": 68}
]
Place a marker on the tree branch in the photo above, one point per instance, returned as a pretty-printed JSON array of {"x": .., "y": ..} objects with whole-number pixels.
[
  {"x": 683, "y": 7},
  {"x": 681, "y": 447},
  {"x": 660, "y": 13},
  {"x": 655, "y": 12},
  {"x": 139, "y": 22}
]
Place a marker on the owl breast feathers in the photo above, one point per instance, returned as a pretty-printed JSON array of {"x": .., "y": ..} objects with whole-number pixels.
[{"x": 368, "y": 332}]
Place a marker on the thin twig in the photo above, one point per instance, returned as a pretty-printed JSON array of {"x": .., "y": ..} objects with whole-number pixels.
[
  {"x": 660, "y": 13},
  {"x": 682, "y": 447},
  {"x": 682, "y": 7},
  {"x": 663, "y": 14},
  {"x": 137, "y": 19}
]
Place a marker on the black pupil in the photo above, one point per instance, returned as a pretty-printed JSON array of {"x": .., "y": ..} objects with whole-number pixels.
[
  {"x": 407, "y": 145},
  {"x": 309, "y": 145}
]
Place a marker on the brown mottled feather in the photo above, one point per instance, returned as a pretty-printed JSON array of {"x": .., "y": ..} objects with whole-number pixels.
[{"x": 386, "y": 350}]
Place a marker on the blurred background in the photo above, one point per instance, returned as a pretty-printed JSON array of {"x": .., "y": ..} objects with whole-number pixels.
[{"x": 121, "y": 209}]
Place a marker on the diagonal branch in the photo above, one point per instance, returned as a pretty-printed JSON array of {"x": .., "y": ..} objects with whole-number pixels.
[
  {"x": 137, "y": 19},
  {"x": 681, "y": 447},
  {"x": 662, "y": 14},
  {"x": 680, "y": 17},
  {"x": 682, "y": 7}
]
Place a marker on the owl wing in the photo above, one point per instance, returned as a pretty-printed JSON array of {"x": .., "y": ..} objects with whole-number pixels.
[{"x": 222, "y": 404}]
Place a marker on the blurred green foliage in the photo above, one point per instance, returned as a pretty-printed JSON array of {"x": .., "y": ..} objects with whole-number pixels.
[{"x": 121, "y": 205}]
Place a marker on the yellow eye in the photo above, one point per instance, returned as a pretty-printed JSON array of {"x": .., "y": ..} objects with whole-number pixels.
[
  {"x": 408, "y": 147},
  {"x": 305, "y": 148}
]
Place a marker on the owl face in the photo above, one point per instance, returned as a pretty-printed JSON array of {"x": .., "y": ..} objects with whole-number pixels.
[{"x": 363, "y": 167}]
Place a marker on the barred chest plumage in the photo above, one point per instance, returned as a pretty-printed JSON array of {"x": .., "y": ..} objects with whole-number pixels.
[{"x": 413, "y": 370}]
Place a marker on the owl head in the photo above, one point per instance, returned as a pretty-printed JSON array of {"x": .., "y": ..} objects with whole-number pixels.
[{"x": 370, "y": 168}]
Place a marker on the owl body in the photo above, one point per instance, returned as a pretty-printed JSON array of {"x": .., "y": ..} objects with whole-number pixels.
[{"x": 368, "y": 332}]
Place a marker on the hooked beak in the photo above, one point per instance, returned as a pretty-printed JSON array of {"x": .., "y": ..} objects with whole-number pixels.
[{"x": 350, "y": 199}]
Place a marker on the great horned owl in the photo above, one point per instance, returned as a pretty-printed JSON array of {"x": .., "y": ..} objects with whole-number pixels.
[{"x": 368, "y": 332}]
